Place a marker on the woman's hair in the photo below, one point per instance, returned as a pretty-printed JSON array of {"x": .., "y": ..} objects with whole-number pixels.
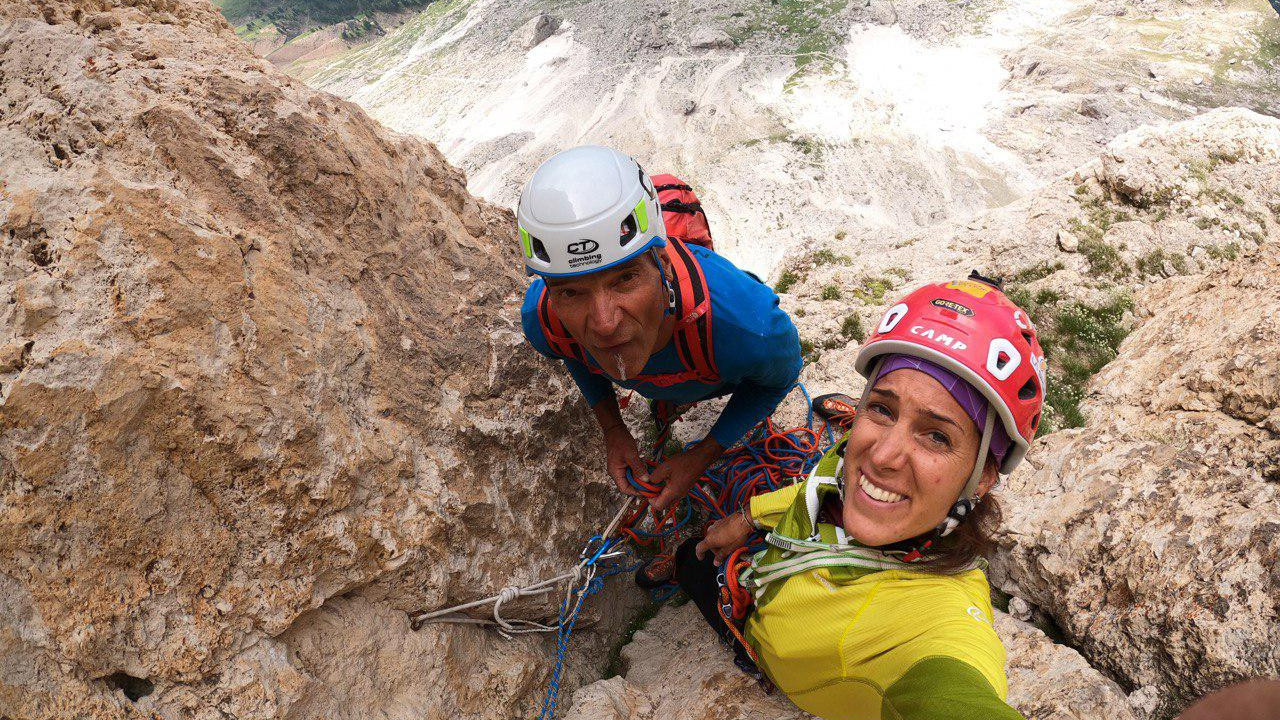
[{"x": 970, "y": 540}]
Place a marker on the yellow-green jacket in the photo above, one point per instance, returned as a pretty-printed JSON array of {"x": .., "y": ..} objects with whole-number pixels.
[{"x": 874, "y": 640}]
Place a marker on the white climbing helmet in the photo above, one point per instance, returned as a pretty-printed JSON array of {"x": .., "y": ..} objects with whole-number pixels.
[{"x": 586, "y": 209}]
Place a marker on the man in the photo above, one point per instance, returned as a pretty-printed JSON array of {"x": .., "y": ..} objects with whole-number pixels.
[{"x": 621, "y": 304}]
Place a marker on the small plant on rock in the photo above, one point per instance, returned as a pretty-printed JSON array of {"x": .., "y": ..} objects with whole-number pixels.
[{"x": 786, "y": 281}]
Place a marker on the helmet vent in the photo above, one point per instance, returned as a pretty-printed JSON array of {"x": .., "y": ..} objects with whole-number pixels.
[
  {"x": 627, "y": 232},
  {"x": 1028, "y": 390},
  {"x": 1035, "y": 423},
  {"x": 1028, "y": 336},
  {"x": 540, "y": 250}
]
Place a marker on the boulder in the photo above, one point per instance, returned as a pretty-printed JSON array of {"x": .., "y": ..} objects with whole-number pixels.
[
  {"x": 1152, "y": 534},
  {"x": 536, "y": 30},
  {"x": 708, "y": 38},
  {"x": 259, "y": 354},
  {"x": 676, "y": 668}
]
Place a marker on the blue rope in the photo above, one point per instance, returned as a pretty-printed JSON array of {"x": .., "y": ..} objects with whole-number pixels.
[
  {"x": 570, "y": 609},
  {"x": 746, "y": 457}
]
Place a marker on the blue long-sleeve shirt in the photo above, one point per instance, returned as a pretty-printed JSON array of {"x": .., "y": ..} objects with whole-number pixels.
[{"x": 754, "y": 344}]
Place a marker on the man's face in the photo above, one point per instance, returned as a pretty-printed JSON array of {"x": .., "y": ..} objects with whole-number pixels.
[{"x": 616, "y": 314}]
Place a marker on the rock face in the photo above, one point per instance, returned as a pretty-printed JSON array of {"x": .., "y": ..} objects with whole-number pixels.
[
  {"x": 1152, "y": 534},
  {"x": 676, "y": 668},
  {"x": 258, "y": 353},
  {"x": 536, "y": 30},
  {"x": 1053, "y": 682},
  {"x": 1148, "y": 535}
]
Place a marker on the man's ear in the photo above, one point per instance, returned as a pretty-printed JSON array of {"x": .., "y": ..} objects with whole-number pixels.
[
  {"x": 990, "y": 474},
  {"x": 664, "y": 262}
]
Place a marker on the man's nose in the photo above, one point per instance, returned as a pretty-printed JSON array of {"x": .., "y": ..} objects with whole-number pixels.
[{"x": 604, "y": 315}]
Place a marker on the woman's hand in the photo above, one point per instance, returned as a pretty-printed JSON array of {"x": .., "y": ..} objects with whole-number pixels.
[
  {"x": 724, "y": 536},
  {"x": 623, "y": 455}
]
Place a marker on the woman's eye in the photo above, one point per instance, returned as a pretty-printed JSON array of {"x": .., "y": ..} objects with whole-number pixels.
[
  {"x": 940, "y": 438},
  {"x": 879, "y": 409}
]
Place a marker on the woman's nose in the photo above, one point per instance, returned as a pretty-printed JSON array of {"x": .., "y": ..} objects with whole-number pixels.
[{"x": 889, "y": 449}]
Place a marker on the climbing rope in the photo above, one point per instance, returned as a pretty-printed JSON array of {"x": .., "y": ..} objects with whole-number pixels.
[{"x": 768, "y": 459}]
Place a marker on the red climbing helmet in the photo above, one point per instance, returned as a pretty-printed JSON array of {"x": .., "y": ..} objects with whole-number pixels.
[{"x": 972, "y": 329}]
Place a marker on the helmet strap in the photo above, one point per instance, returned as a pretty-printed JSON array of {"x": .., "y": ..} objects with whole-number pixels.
[
  {"x": 866, "y": 389},
  {"x": 664, "y": 284}
]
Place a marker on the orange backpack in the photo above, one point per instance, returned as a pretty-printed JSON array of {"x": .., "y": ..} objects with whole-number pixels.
[{"x": 682, "y": 212}]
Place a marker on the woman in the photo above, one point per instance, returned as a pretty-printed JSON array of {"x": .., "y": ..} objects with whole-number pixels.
[{"x": 870, "y": 601}]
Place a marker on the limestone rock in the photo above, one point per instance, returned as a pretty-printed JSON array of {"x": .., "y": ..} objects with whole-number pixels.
[
  {"x": 1067, "y": 242},
  {"x": 1019, "y": 609},
  {"x": 1158, "y": 164},
  {"x": 537, "y": 29},
  {"x": 259, "y": 353},
  {"x": 676, "y": 668},
  {"x": 1152, "y": 534},
  {"x": 708, "y": 38},
  {"x": 1053, "y": 682}
]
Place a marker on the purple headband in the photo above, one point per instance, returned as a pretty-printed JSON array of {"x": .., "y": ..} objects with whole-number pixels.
[{"x": 974, "y": 404}]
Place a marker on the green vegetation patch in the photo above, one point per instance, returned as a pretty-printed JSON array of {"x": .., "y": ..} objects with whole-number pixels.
[
  {"x": 829, "y": 257},
  {"x": 786, "y": 281},
  {"x": 809, "y": 351},
  {"x": 1153, "y": 263},
  {"x": 852, "y": 329},
  {"x": 805, "y": 27},
  {"x": 1230, "y": 251},
  {"x": 1078, "y": 340},
  {"x": 295, "y": 17},
  {"x": 1034, "y": 273},
  {"x": 831, "y": 292},
  {"x": 873, "y": 290}
]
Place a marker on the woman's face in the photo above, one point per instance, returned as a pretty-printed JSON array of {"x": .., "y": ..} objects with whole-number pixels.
[{"x": 909, "y": 455}]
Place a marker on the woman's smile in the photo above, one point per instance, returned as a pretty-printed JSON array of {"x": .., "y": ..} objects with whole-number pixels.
[{"x": 877, "y": 495}]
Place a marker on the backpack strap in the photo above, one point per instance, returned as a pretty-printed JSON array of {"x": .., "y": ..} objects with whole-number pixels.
[
  {"x": 557, "y": 336},
  {"x": 682, "y": 207},
  {"x": 692, "y": 335}
]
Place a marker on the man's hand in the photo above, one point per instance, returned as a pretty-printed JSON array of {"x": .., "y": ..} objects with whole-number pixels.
[
  {"x": 678, "y": 474},
  {"x": 724, "y": 536},
  {"x": 623, "y": 454}
]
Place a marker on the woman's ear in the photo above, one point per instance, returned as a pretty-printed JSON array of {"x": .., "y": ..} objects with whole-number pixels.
[{"x": 990, "y": 474}]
